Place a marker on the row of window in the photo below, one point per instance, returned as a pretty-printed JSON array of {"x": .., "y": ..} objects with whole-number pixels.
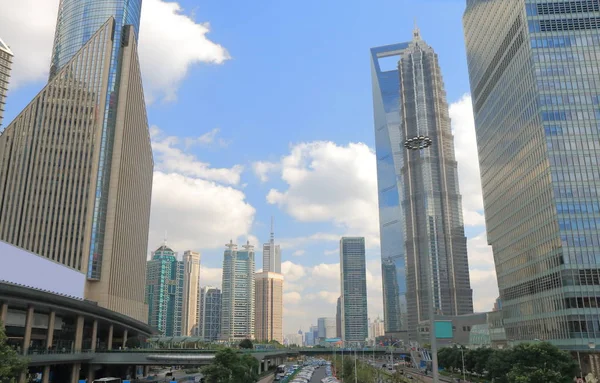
[
  {"x": 568, "y": 115},
  {"x": 579, "y": 6},
  {"x": 569, "y": 99},
  {"x": 576, "y": 24},
  {"x": 565, "y": 41}
]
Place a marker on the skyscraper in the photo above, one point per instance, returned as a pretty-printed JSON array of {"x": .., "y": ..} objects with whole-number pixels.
[
  {"x": 191, "y": 289},
  {"x": 6, "y": 56},
  {"x": 272, "y": 254},
  {"x": 326, "y": 328},
  {"x": 209, "y": 313},
  {"x": 269, "y": 306},
  {"x": 534, "y": 71},
  {"x": 420, "y": 212},
  {"x": 353, "y": 280},
  {"x": 164, "y": 291},
  {"x": 76, "y": 164},
  {"x": 338, "y": 318},
  {"x": 238, "y": 310}
]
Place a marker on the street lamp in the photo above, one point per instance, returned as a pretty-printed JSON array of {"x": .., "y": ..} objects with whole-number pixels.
[{"x": 462, "y": 354}]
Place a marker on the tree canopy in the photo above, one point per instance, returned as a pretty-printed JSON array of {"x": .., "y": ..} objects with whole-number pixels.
[
  {"x": 246, "y": 343},
  {"x": 525, "y": 363},
  {"x": 231, "y": 367},
  {"x": 11, "y": 363}
]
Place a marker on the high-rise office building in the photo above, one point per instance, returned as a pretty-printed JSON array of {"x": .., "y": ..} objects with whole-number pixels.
[
  {"x": 209, "y": 314},
  {"x": 420, "y": 213},
  {"x": 238, "y": 310},
  {"x": 338, "y": 318},
  {"x": 6, "y": 56},
  {"x": 377, "y": 328},
  {"x": 326, "y": 328},
  {"x": 269, "y": 306},
  {"x": 76, "y": 164},
  {"x": 191, "y": 289},
  {"x": 272, "y": 254},
  {"x": 164, "y": 291},
  {"x": 353, "y": 280},
  {"x": 534, "y": 71}
]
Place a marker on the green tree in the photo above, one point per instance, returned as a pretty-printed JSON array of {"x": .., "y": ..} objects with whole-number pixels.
[
  {"x": 247, "y": 344},
  {"x": 11, "y": 363},
  {"x": 231, "y": 367}
]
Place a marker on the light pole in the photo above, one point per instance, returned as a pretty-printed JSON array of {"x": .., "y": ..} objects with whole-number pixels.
[
  {"x": 462, "y": 355},
  {"x": 592, "y": 347},
  {"x": 355, "y": 365}
]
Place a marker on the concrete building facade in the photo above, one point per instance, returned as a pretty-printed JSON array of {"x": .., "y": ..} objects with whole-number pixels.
[
  {"x": 353, "y": 280},
  {"x": 6, "y": 57},
  {"x": 272, "y": 254},
  {"x": 191, "y": 291},
  {"x": 238, "y": 310},
  {"x": 269, "y": 306},
  {"x": 164, "y": 292},
  {"x": 326, "y": 327},
  {"x": 209, "y": 314},
  {"x": 76, "y": 169}
]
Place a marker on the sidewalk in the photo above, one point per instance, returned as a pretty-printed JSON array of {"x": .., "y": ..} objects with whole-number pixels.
[{"x": 267, "y": 379}]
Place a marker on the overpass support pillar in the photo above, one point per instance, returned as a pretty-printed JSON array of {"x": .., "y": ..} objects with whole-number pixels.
[
  {"x": 50, "y": 334},
  {"x": 28, "y": 326},
  {"x": 46, "y": 375},
  {"x": 125, "y": 333},
  {"x": 94, "y": 337},
  {"x": 91, "y": 373},
  {"x": 110, "y": 337},
  {"x": 3, "y": 312},
  {"x": 75, "y": 372},
  {"x": 79, "y": 333}
]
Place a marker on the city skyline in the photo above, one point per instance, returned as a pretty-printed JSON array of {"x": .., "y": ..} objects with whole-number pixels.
[{"x": 307, "y": 243}]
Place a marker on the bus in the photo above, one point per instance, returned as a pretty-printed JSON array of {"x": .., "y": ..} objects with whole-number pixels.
[
  {"x": 281, "y": 369},
  {"x": 108, "y": 380}
]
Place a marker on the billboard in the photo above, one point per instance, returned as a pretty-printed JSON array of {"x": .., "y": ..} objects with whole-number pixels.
[{"x": 443, "y": 329}]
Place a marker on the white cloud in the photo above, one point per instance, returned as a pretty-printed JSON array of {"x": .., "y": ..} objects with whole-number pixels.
[
  {"x": 207, "y": 139},
  {"x": 292, "y": 297},
  {"x": 332, "y": 252},
  {"x": 290, "y": 243},
  {"x": 465, "y": 144},
  {"x": 298, "y": 253},
  {"x": 482, "y": 273},
  {"x": 327, "y": 182},
  {"x": 210, "y": 276},
  {"x": 169, "y": 157},
  {"x": 170, "y": 43},
  {"x": 197, "y": 213},
  {"x": 262, "y": 169}
]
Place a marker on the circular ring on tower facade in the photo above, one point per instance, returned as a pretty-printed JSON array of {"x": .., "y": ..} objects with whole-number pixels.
[{"x": 417, "y": 143}]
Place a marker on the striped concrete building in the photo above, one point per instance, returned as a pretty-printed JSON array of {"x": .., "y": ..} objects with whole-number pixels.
[{"x": 76, "y": 170}]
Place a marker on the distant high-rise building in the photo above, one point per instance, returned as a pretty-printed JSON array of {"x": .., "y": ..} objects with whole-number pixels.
[
  {"x": 309, "y": 339},
  {"x": 326, "y": 328},
  {"x": 420, "y": 209},
  {"x": 338, "y": 318},
  {"x": 238, "y": 310},
  {"x": 191, "y": 289},
  {"x": 76, "y": 164},
  {"x": 164, "y": 291},
  {"x": 209, "y": 313},
  {"x": 272, "y": 254},
  {"x": 6, "y": 56},
  {"x": 269, "y": 306},
  {"x": 353, "y": 280},
  {"x": 294, "y": 339},
  {"x": 534, "y": 71},
  {"x": 377, "y": 328}
]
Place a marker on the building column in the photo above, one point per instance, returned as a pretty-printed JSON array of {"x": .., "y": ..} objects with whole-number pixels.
[
  {"x": 50, "y": 333},
  {"x": 79, "y": 333},
  {"x": 91, "y": 373},
  {"x": 3, "y": 312},
  {"x": 110, "y": 337},
  {"x": 94, "y": 335},
  {"x": 28, "y": 325},
  {"x": 75, "y": 372},
  {"x": 46, "y": 375},
  {"x": 125, "y": 333}
]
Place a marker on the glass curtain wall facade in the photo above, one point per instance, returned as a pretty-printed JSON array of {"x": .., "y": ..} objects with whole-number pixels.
[
  {"x": 389, "y": 152},
  {"x": 353, "y": 278},
  {"x": 422, "y": 231},
  {"x": 209, "y": 314},
  {"x": 238, "y": 293},
  {"x": 164, "y": 291},
  {"x": 534, "y": 69}
]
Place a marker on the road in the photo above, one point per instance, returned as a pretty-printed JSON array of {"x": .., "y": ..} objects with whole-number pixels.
[{"x": 318, "y": 375}]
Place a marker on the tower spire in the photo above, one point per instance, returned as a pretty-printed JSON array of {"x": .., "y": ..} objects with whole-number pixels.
[
  {"x": 416, "y": 31},
  {"x": 272, "y": 232}
]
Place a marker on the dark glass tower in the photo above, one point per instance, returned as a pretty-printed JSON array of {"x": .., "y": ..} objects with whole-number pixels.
[
  {"x": 420, "y": 205},
  {"x": 535, "y": 81}
]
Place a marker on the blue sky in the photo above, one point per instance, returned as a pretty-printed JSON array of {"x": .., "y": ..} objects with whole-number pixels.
[{"x": 263, "y": 109}]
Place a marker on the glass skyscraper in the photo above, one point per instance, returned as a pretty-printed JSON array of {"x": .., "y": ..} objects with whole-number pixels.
[
  {"x": 534, "y": 68},
  {"x": 353, "y": 280},
  {"x": 6, "y": 56},
  {"x": 165, "y": 292},
  {"x": 420, "y": 207},
  {"x": 238, "y": 293}
]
